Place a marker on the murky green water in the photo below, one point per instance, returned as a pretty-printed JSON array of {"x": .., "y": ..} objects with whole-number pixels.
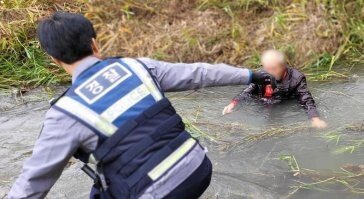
[{"x": 244, "y": 146}]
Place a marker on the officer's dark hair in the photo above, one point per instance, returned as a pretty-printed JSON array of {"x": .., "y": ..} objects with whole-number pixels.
[{"x": 66, "y": 36}]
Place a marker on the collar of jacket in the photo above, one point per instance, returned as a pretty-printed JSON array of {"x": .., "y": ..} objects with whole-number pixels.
[
  {"x": 83, "y": 65},
  {"x": 285, "y": 75}
]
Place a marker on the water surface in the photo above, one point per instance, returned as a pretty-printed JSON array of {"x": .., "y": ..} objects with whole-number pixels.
[{"x": 244, "y": 146}]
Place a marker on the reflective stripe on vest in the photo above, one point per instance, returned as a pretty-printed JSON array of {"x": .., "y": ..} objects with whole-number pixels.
[
  {"x": 145, "y": 77},
  {"x": 167, "y": 163},
  {"x": 93, "y": 119}
]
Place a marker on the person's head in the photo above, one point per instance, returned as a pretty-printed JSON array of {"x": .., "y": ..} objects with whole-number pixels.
[
  {"x": 67, "y": 38},
  {"x": 274, "y": 63}
]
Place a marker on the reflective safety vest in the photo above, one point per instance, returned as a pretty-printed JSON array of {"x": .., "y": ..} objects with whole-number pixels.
[{"x": 141, "y": 138}]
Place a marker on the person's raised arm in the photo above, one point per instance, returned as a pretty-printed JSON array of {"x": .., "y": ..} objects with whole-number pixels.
[{"x": 182, "y": 76}]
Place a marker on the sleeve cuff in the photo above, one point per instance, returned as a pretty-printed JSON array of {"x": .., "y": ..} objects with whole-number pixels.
[
  {"x": 313, "y": 113},
  {"x": 235, "y": 102},
  {"x": 250, "y": 73}
]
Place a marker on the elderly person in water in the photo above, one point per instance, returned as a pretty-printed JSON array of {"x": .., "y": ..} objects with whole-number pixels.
[{"x": 291, "y": 83}]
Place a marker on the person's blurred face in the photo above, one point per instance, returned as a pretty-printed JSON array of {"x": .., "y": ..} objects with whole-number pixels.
[
  {"x": 275, "y": 69},
  {"x": 273, "y": 66}
]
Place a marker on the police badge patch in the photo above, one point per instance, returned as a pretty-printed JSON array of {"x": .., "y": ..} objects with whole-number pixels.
[{"x": 102, "y": 82}]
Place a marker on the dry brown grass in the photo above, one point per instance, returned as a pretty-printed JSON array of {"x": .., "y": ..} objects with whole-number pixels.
[
  {"x": 188, "y": 31},
  {"x": 313, "y": 34}
]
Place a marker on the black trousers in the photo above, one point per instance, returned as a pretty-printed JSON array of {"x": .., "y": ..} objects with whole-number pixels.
[{"x": 195, "y": 185}]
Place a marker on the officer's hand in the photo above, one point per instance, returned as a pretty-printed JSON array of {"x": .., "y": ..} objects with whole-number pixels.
[{"x": 264, "y": 78}]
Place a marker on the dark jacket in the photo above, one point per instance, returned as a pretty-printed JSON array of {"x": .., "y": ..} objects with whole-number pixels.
[{"x": 293, "y": 85}]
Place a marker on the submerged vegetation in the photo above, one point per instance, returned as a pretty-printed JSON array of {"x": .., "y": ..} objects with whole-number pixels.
[
  {"x": 344, "y": 143},
  {"x": 315, "y": 35},
  {"x": 349, "y": 178}
]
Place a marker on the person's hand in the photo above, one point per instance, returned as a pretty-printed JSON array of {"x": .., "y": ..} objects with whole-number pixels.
[
  {"x": 264, "y": 78},
  {"x": 228, "y": 109},
  {"x": 318, "y": 123}
]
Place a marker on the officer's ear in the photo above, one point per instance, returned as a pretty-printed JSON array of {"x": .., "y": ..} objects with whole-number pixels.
[{"x": 95, "y": 48}]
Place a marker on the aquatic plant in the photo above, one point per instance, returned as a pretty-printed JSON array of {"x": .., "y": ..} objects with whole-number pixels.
[
  {"x": 349, "y": 178},
  {"x": 197, "y": 132},
  {"x": 344, "y": 143}
]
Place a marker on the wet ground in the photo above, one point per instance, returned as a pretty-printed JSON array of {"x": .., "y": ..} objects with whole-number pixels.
[{"x": 245, "y": 146}]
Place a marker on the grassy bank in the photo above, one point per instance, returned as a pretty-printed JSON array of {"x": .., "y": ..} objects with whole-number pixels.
[
  {"x": 22, "y": 63},
  {"x": 315, "y": 35}
]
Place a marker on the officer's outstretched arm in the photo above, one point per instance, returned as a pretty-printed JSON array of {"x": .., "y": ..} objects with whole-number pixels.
[
  {"x": 182, "y": 76},
  {"x": 51, "y": 154}
]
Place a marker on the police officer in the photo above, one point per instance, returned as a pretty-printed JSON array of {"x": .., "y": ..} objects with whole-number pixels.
[{"x": 115, "y": 115}]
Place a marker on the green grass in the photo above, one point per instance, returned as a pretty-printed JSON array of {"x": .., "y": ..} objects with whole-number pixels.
[{"x": 25, "y": 64}]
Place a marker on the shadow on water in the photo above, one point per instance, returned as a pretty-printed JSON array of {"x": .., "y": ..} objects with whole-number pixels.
[{"x": 246, "y": 147}]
